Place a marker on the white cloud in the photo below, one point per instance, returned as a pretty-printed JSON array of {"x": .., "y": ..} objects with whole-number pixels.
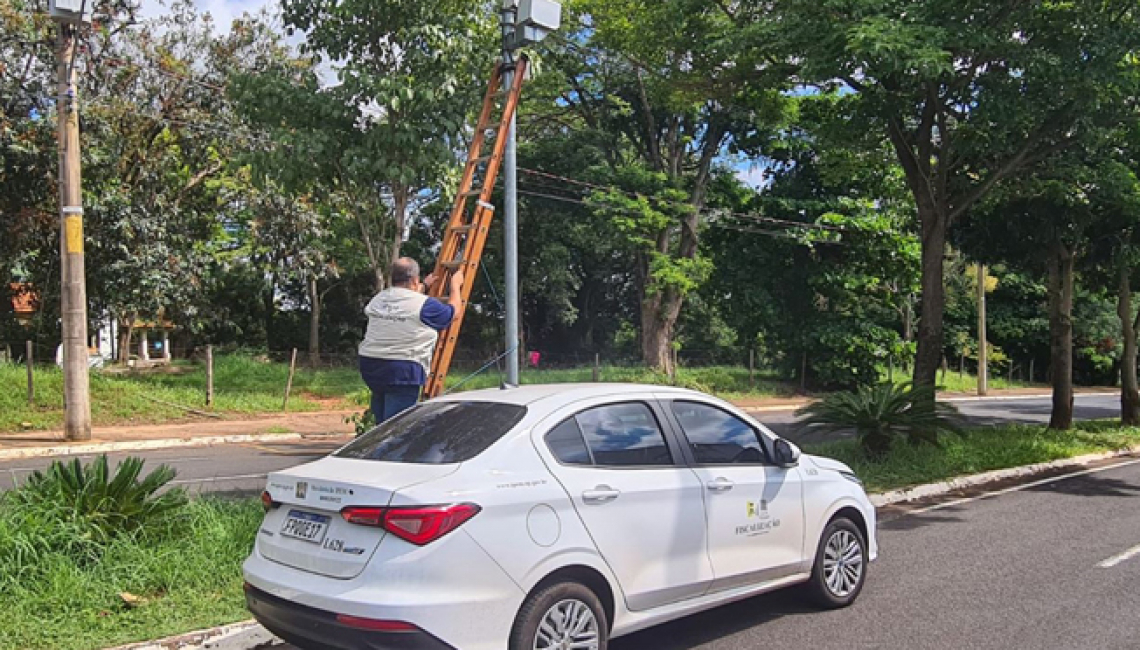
[{"x": 223, "y": 11}]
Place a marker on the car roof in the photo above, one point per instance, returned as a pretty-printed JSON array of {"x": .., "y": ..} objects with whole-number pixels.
[{"x": 530, "y": 394}]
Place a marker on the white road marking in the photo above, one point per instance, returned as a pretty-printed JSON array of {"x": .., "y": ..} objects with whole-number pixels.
[
  {"x": 1117, "y": 559},
  {"x": 1018, "y": 488}
]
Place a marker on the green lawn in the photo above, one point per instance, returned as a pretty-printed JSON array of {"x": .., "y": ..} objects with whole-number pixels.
[
  {"x": 726, "y": 381},
  {"x": 954, "y": 382},
  {"x": 242, "y": 385},
  {"x": 246, "y": 385},
  {"x": 980, "y": 450}
]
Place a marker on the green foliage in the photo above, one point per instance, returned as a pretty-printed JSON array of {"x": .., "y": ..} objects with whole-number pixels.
[
  {"x": 93, "y": 505},
  {"x": 185, "y": 573},
  {"x": 362, "y": 423},
  {"x": 882, "y": 414}
]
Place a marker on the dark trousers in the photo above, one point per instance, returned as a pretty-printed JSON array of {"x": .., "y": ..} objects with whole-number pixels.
[{"x": 390, "y": 401}]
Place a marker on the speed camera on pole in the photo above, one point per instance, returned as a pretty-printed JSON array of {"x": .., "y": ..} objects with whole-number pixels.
[{"x": 70, "y": 11}]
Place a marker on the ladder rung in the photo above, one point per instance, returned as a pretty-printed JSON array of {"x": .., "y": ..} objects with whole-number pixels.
[
  {"x": 481, "y": 159},
  {"x": 461, "y": 229},
  {"x": 453, "y": 264},
  {"x": 472, "y": 193}
]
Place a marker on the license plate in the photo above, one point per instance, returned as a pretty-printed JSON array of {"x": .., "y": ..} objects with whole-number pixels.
[{"x": 305, "y": 526}]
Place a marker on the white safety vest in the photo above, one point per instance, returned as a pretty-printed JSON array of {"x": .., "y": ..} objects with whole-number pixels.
[{"x": 395, "y": 331}]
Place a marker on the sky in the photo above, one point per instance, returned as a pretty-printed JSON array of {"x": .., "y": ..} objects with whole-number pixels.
[{"x": 223, "y": 11}]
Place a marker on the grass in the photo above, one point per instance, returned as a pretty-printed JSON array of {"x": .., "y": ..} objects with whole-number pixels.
[
  {"x": 980, "y": 450},
  {"x": 187, "y": 579},
  {"x": 954, "y": 382},
  {"x": 726, "y": 381},
  {"x": 242, "y": 385}
]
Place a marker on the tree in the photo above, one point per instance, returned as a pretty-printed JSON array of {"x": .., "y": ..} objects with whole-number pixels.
[
  {"x": 1048, "y": 221},
  {"x": 969, "y": 94},
  {"x": 665, "y": 86},
  {"x": 409, "y": 75}
]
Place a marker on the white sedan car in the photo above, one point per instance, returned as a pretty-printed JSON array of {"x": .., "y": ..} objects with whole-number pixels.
[{"x": 550, "y": 517}]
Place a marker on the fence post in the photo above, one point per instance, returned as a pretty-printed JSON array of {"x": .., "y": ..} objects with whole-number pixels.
[
  {"x": 289, "y": 384},
  {"x": 890, "y": 367},
  {"x": 28, "y": 350},
  {"x": 209, "y": 375},
  {"x": 597, "y": 367},
  {"x": 1031, "y": 362},
  {"x": 751, "y": 369}
]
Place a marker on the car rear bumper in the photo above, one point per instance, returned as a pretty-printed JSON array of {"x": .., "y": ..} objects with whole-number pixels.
[
  {"x": 313, "y": 629},
  {"x": 451, "y": 589}
]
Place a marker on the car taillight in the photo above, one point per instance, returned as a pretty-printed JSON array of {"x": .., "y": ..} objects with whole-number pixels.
[
  {"x": 267, "y": 501},
  {"x": 363, "y": 516},
  {"x": 417, "y": 525},
  {"x": 374, "y": 624}
]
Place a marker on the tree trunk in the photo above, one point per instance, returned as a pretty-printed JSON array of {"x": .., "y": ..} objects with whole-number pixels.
[
  {"x": 269, "y": 304},
  {"x": 929, "y": 354},
  {"x": 400, "y": 196},
  {"x": 658, "y": 317},
  {"x": 314, "y": 322},
  {"x": 125, "y": 335},
  {"x": 1129, "y": 393},
  {"x": 1061, "y": 336}
]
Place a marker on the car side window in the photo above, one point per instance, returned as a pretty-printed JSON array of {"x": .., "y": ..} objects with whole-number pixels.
[
  {"x": 566, "y": 443},
  {"x": 624, "y": 435},
  {"x": 717, "y": 437}
]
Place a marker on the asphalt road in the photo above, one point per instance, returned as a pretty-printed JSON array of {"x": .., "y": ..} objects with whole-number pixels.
[{"x": 242, "y": 468}]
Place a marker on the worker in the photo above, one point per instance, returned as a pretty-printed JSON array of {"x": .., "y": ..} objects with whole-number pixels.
[{"x": 403, "y": 327}]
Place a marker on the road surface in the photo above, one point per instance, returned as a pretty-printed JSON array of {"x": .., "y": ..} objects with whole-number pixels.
[{"x": 242, "y": 468}]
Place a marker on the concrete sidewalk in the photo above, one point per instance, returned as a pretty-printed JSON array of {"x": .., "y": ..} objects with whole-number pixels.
[{"x": 286, "y": 426}]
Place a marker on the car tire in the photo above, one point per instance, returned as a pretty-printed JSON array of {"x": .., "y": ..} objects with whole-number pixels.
[
  {"x": 840, "y": 567},
  {"x": 553, "y": 604}
]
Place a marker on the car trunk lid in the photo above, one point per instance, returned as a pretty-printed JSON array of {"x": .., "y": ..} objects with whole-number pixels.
[{"x": 305, "y": 530}]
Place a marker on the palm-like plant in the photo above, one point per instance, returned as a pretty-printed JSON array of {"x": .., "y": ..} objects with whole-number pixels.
[
  {"x": 108, "y": 504},
  {"x": 879, "y": 414}
]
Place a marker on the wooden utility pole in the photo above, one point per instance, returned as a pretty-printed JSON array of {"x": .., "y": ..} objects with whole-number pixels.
[
  {"x": 983, "y": 370},
  {"x": 76, "y": 393}
]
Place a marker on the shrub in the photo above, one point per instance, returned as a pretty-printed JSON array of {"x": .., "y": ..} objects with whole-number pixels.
[
  {"x": 96, "y": 504},
  {"x": 882, "y": 413}
]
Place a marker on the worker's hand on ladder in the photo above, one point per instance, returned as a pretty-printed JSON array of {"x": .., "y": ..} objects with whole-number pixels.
[{"x": 457, "y": 282}]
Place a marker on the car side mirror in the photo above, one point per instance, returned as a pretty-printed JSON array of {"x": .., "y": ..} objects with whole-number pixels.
[{"x": 787, "y": 454}]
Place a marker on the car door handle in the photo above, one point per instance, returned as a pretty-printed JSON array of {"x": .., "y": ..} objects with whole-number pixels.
[
  {"x": 719, "y": 485},
  {"x": 600, "y": 494}
]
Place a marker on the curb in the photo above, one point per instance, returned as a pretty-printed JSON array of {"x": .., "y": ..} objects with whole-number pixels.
[
  {"x": 250, "y": 635},
  {"x": 162, "y": 443},
  {"x": 244, "y": 635},
  {"x": 941, "y": 488},
  {"x": 950, "y": 397}
]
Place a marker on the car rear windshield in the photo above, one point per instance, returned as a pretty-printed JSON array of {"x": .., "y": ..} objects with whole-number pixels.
[{"x": 437, "y": 434}]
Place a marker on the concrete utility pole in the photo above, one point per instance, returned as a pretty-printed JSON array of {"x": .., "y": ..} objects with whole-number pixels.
[
  {"x": 509, "y": 17},
  {"x": 983, "y": 352},
  {"x": 76, "y": 388}
]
